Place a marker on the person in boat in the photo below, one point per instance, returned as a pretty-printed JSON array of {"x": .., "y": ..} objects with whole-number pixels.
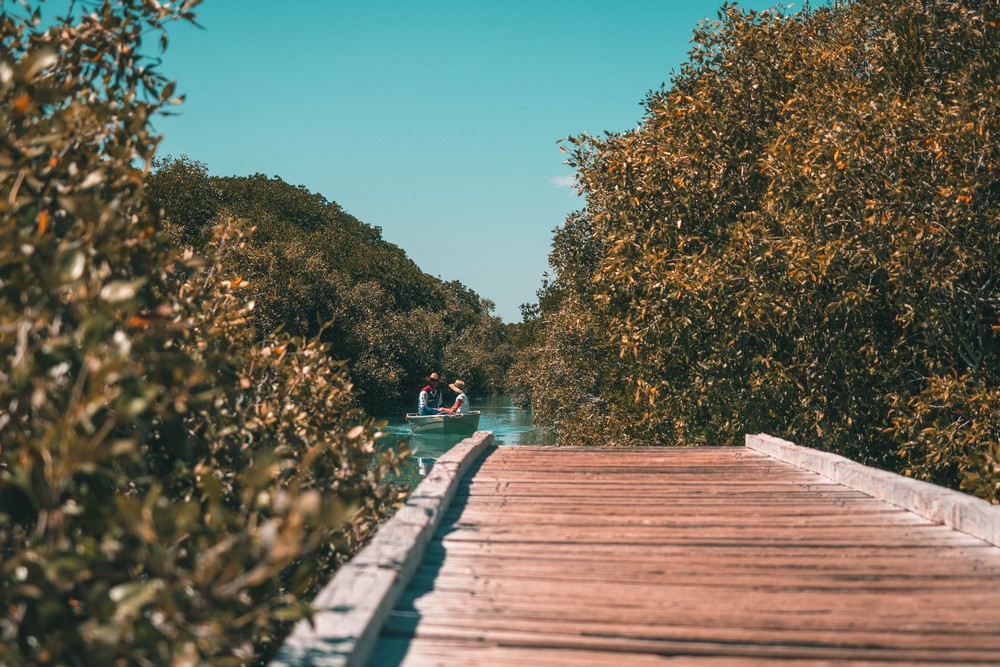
[
  {"x": 430, "y": 397},
  {"x": 461, "y": 406}
]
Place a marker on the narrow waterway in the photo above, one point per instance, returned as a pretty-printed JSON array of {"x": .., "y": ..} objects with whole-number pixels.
[{"x": 510, "y": 425}]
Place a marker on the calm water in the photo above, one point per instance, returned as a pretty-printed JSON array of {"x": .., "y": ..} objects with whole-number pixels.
[{"x": 510, "y": 425}]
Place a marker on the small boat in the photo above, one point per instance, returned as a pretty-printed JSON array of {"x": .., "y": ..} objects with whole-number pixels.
[{"x": 458, "y": 424}]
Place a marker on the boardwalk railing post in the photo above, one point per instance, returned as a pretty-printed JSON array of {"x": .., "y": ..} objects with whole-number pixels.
[
  {"x": 957, "y": 510},
  {"x": 351, "y": 610}
]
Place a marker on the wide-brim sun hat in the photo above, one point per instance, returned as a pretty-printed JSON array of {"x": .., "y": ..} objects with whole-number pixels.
[
  {"x": 458, "y": 387},
  {"x": 433, "y": 376}
]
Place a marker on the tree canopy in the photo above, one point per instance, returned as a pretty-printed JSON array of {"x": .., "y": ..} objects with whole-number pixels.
[
  {"x": 177, "y": 478},
  {"x": 315, "y": 270},
  {"x": 800, "y": 237}
]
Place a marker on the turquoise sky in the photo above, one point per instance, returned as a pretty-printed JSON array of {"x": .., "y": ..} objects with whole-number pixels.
[{"x": 436, "y": 121}]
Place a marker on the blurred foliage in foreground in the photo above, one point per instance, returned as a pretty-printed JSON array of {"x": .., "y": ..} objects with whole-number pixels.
[
  {"x": 801, "y": 237},
  {"x": 316, "y": 271},
  {"x": 175, "y": 481}
]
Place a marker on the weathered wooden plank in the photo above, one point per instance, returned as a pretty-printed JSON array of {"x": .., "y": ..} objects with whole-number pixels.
[
  {"x": 585, "y": 574},
  {"x": 538, "y": 638},
  {"x": 829, "y": 601},
  {"x": 524, "y": 511},
  {"x": 396, "y": 651},
  {"x": 693, "y": 568},
  {"x": 799, "y": 619},
  {"x": 936, "y": 638},
  {"x": 788, "y": 539},
  {"x": 756, "y": 521}
]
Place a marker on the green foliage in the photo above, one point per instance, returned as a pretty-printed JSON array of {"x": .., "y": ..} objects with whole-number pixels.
[
  {"x": 183, "y": 194},
  {"x": 315, "y": 270},
  {"x": 174, "y": 483},
  {"x": 801, "y": 237}
]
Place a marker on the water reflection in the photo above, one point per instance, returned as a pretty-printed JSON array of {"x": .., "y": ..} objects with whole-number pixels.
[{"x": 510, "y": 425}]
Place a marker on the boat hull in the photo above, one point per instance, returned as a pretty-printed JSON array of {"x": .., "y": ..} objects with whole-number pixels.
[{"x": 450, "y": 424}]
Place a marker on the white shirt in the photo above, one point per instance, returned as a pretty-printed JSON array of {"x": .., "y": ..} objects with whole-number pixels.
[{"x": 463, "y": 404}]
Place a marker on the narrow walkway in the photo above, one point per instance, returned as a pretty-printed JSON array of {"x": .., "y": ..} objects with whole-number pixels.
[{"x": 704, "y": 556}]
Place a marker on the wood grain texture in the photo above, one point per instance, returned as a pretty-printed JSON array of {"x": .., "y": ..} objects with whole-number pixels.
[{"x": 702, "y": 556}]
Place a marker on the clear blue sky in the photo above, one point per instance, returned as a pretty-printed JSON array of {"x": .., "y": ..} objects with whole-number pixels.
[{"x": 436, "y": 121}]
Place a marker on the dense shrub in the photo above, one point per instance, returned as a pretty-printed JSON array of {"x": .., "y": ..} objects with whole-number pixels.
[
  {"x": 174, "y": 483},
  {"x": 800, "y": 237},
  {"x": 315, "y": 270}
]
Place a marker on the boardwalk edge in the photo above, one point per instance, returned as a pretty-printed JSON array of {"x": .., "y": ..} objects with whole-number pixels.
[
  {"x": 350, "y": 610},
  {"x": 957, "y": 510}
]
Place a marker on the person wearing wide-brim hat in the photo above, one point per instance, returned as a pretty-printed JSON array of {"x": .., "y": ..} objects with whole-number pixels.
[
  {"x": 461, "y": 401},
  {"x": 429, "y": 402}
]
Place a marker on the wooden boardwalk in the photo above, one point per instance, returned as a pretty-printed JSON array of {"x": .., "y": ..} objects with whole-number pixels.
[{"x": 700, "y": 556}]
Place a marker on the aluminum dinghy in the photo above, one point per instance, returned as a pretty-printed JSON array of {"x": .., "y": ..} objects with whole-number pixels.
[{"x": 458, "y": 424}]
